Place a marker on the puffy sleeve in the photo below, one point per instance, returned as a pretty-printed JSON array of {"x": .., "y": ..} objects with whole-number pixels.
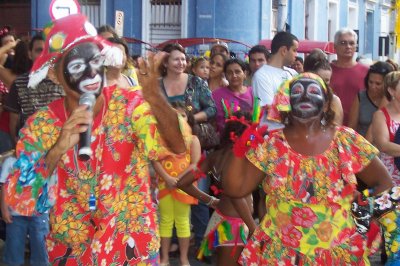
[
  {"x": 269, "y": 156},
  {"x": 30, "y": 188},
  {"x": 355, "y": 152},
  {"x": 150, "y": 140}
]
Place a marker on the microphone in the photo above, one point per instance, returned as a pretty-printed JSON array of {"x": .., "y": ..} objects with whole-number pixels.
[{"x": 85, "y": 138}]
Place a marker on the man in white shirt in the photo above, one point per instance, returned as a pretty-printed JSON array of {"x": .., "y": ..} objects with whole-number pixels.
[{"x": 267, "y": 79}]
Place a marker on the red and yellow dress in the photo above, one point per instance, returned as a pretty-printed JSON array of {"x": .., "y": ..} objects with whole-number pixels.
[
  {"x": 123, "y": 230},
  {"x": 309, "y": 221}
]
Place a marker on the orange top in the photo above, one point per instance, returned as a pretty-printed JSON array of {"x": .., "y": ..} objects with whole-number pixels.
[{"x": 174, "y": 165}]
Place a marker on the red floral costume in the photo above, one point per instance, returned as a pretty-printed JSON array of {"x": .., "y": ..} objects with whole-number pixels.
[
  {"x": 308, "y": 201},
  {"x": 123, "y": 229}
]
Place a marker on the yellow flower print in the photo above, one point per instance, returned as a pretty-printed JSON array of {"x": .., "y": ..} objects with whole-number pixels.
[
  {"x": 49, "y": 136},
  {"x": 103, "y": 262},
  {"x": 168, "y": 165},
  {"x": 59, "y": 226},
  {"x": 116, "y": 116},
  {"x": 86, "y": 174},
  {"x": 121, "y": 226},
  {"x": 78, "y": 232},
  {"x": 96, "y": 246},
  {"x": 71, "y": 208},
  {"x": 135, "y": 226},
  {"x": 106, "y": 182},
  {"x": 389, "y": 221},
  {"x": 394, "y": 247},
  {"x": 137, "y": 202},
  {"x": 153, "y": 245},
  {"x": 121, "y": 202}
]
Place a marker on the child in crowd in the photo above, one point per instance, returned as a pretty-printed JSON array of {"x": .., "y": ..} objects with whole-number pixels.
[
  {"x": 232, "y": 220},
  {"x": 201, "y": 67},
  {"x": 18, "y": 227},
  {"x": 174, "y": 204}
]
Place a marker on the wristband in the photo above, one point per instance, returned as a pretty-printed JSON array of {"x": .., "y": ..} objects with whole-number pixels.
[{"x": 211, "y": 201}]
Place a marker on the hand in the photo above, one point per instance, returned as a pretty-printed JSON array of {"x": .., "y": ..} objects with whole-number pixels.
[
  {"x": 75, "y": 124},
  {"x": 5, "y": 213},
  {"x": 148, "y": 75},
  {"x": 171, "y": 182}
]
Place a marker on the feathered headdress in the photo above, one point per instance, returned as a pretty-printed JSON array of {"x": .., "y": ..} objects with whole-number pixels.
[{"x": 253, "y": 135}]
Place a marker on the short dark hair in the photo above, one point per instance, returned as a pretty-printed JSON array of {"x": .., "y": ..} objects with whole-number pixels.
[
  {"x": 300, "y": 59},
  {"x": 37, "y": 37},
  {"x": 259, "y": 49},
  {"x": 315, "y": 61},
  {"x": 235, "y": 61},
  {"x": 281, "y": 39}
]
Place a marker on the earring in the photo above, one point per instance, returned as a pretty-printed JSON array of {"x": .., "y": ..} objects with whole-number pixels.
[
  {"x": 323, "y": 120},
  {"x": 286, "y": 121}
]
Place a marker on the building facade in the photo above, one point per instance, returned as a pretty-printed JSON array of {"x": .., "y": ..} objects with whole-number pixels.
[{"x": 154, "y": 21}]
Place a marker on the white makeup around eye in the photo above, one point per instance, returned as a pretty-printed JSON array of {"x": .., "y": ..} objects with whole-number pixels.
[{"x": 76, "y": 66}]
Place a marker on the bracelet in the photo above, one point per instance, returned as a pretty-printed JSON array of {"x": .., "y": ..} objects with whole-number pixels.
[{"x": 211, "y": 201}]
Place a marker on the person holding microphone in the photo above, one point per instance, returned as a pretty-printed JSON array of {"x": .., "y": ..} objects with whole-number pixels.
[{"x": 97, "y": 191}]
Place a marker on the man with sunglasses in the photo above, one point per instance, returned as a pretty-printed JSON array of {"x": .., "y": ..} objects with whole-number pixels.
[{"x": 347, "y": 75}]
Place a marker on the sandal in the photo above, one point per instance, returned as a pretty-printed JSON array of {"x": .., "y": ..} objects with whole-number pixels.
[{"x": 164, "y": 264}]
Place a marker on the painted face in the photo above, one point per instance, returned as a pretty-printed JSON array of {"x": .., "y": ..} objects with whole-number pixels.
[
  {"x": 307, "y": 99},
  {"x": 83, "y": 69}
]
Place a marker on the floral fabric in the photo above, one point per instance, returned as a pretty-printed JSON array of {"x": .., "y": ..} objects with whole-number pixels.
[
  {"x": 123, "y": 229},
  {"x": 175, "y": 165},
  {"x": 308, "y": 201}
]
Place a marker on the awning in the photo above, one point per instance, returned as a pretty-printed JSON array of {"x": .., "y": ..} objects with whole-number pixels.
[
  {"x": 305, "y": 46},
  {"x": 186, "y": 42}
]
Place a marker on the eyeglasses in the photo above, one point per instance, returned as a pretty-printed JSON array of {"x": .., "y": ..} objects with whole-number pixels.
[{"x": 345, "y": 43}]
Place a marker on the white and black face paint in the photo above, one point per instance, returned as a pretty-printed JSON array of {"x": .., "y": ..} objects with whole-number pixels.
[
  {"x": 83, "y": 69},
  {"x": 307, "y": 99}
]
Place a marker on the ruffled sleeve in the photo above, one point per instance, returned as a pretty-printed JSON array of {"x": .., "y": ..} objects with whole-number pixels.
[
  {"x": 270, "y": 156},
  {"x": 30, "y": 188},
  {"x": 355, "y": 153}
]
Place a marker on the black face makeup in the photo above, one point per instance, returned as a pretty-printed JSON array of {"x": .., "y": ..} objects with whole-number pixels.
[
  {"x": 83, "y": 69},
  {"x": 306, "y": 98}
]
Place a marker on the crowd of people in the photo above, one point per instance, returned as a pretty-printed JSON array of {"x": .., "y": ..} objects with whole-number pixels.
[{"x": 278, "y": 160}]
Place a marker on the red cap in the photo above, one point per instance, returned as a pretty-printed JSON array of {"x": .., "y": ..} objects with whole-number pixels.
[{"x": 63, "y": 34}]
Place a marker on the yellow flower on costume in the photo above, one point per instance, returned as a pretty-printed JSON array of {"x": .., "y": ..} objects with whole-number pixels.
[
  {"x": 389, "y": 221},
  {"x": 85, "y": 174},
  {"x": 78, "y": 232},
  {"x": 395, "y": 246}
]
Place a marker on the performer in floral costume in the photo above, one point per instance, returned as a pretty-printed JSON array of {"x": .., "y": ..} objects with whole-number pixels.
[
  {"x": 308, "y": 171},
  {"x": 101, "y": 211}
]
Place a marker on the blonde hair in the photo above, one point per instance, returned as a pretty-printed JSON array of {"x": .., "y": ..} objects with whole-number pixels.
[{"x": 391, "y": 80}]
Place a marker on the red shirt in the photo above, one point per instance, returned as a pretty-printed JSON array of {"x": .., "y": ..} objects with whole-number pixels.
[{"x": 346, "y": 83}]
